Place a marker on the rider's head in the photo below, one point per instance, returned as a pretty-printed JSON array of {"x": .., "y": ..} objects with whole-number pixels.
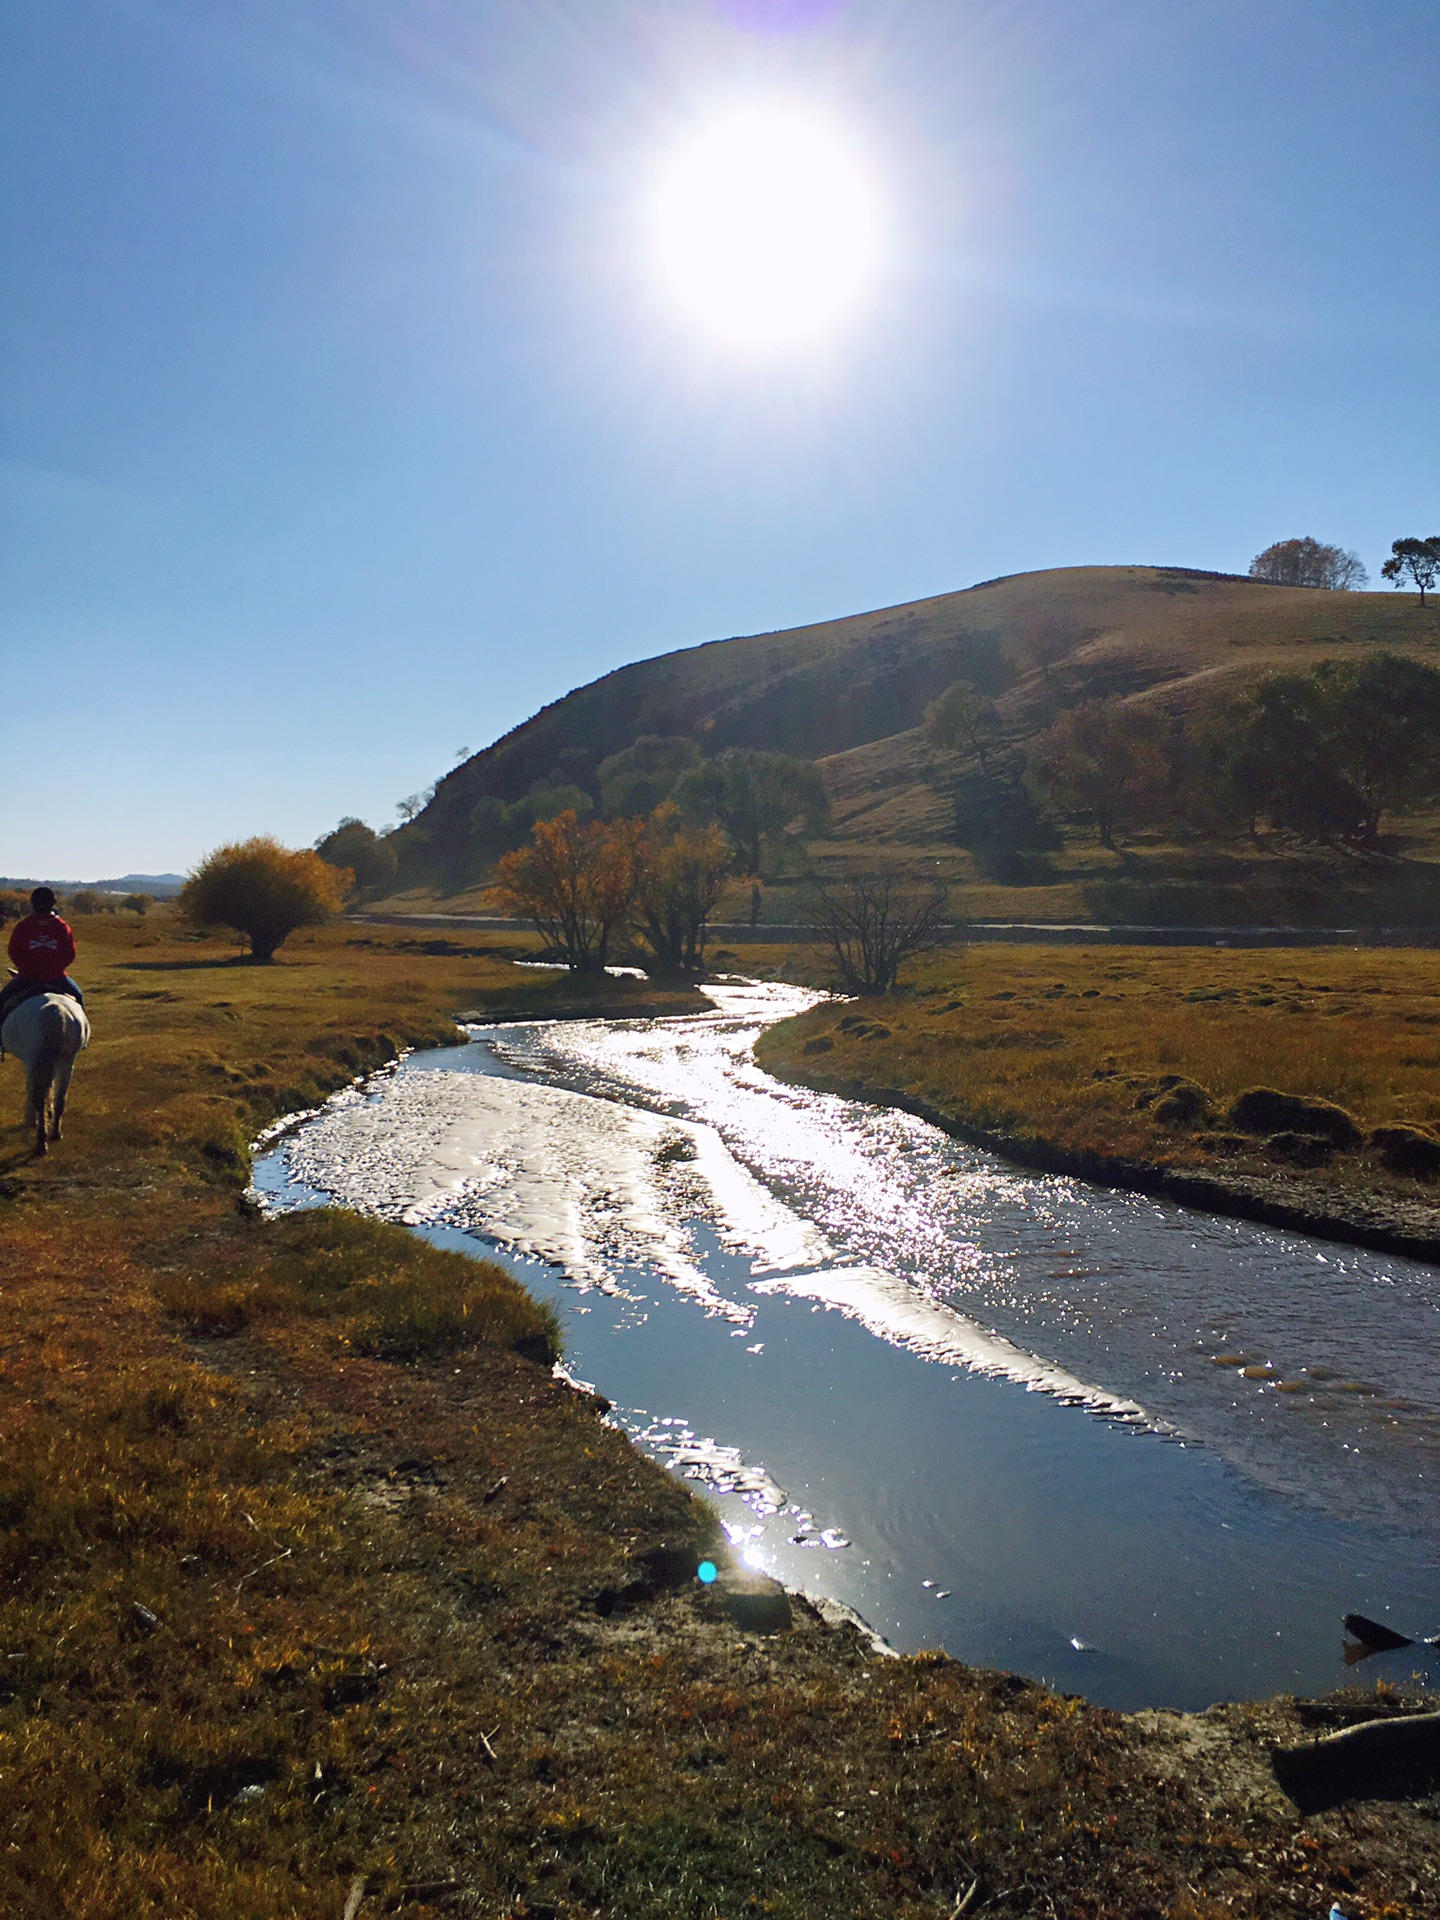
[{"x": 43, "y": 899}]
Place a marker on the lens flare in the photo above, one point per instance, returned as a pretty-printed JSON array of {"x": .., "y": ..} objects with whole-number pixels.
[{"x": 765, "y": 228}]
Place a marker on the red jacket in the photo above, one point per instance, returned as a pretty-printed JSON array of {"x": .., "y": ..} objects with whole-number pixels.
[{"x": 42, "y": 947}]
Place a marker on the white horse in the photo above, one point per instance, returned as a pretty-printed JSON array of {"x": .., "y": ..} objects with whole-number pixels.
[{"x": 45, "y": 1034}]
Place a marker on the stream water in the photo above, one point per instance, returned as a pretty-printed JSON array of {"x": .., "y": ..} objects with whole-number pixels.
[{"x": 1142, "y": 1453}]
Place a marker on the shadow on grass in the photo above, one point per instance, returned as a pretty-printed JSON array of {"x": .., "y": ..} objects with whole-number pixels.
[
  {"x": 18, "y": 1154},
  {"x": 192, "y": 966}
]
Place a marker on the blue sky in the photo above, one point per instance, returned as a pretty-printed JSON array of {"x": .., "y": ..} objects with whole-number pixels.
[{"x": 345, "y": 423}]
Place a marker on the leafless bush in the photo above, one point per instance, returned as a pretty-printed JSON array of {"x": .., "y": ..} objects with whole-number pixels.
[{"x": 872, "y": 923}]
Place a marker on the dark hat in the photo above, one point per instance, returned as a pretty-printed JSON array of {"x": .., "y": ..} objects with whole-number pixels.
[{"x": 43, "y": 899}]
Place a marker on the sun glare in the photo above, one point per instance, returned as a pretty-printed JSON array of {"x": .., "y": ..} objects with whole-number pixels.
[{"x": 765, "y": 228}]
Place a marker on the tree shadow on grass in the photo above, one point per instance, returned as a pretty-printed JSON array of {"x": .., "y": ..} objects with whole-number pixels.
[{"x": 192, "y": 966}]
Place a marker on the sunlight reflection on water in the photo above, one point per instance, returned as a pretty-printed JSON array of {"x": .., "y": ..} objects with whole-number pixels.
[{"x": 829, "y": 1304}]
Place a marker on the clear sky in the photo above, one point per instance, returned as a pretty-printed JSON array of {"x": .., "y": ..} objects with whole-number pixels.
[{"x": 347, "y": 417}]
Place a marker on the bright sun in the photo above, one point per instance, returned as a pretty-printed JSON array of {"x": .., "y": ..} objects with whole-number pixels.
[{"x": 765, "y": 227}]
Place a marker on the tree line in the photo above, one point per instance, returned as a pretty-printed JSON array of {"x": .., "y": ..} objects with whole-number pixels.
[
  {"x": 15, "y": 903},
  {"x": 1313, "y": 563},
  {"x": 765, "y": 804},
  {"x": 592, "y": 887},
  {"x": 1327, "y": 755}
]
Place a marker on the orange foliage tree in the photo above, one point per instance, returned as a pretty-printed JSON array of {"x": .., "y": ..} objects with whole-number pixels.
[
  {"x": 680, "y": 877},
  {"x": 1106, "y": 758},
  {"x": 264, "y": 891},
  {"x": 577, "y": 882}
]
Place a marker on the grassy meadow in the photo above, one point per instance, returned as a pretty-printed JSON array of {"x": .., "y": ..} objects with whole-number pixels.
[
  {"x": 302, "y": 1545},
  {"x": 1071, "y": 1046}
]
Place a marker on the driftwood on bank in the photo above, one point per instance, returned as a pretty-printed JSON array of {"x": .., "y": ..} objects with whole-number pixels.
[{"x": 1394, "y": 1759}]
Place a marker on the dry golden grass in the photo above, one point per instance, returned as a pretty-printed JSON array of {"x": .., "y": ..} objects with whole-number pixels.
[
  {"x": 299, "y": 1554},
  {"x": 1065, "y": 1045}
]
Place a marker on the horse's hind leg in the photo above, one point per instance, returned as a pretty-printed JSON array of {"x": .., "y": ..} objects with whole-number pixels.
[
  {"x": 37, "y": 1098},
  {"x": 58, "y": 1093}
]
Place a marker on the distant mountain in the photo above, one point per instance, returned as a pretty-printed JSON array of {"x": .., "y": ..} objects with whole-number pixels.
[
  {"x": 162, "y": 886},
  {"x": 851, "y": 693}
]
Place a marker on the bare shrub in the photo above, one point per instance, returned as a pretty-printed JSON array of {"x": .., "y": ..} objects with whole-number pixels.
[{"x": 872, "y": 923}]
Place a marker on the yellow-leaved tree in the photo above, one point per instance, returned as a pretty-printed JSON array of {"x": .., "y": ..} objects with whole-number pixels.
[
  {"x": 577, "y": 882},
  {"x": 264, "y": 891},
  {"x": 681, "y": 875}
]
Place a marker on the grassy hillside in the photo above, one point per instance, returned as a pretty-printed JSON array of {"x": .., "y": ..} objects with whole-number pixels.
[{"x": 851, "y": 693}]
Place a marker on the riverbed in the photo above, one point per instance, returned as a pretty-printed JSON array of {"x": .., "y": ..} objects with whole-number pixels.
[{"x": 1142, "y": 1453}]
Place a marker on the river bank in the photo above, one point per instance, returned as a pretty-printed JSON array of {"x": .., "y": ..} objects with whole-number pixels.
[
  {"x": 1124, "y": 1068},
  {"x": 321, "y": 1592}
]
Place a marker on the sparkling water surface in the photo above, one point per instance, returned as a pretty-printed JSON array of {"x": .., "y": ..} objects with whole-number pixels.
[{"x": 1001, "y": 1413}]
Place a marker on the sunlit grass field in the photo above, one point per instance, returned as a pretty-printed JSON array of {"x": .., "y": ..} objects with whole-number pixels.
[
  {"x": 1066, "y": 1044},
  {"x": 301, "y": 1542}
]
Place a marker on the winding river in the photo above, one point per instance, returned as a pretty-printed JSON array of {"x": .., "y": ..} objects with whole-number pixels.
[{"x": 1145, "y": 1454}]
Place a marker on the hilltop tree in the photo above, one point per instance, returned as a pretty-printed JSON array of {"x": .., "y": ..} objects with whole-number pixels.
[
  {"x": 1105, "y": 758},
  {"x": 681, "y": 874},
  {"x": 369, "y": 858},
  {"x": 264, "y": 891},
  {"x": 577, "y": 882},
  {"x": 1417, "y": 561},
  {"x": 756, "y": 799},
  {"x": 414, "y": 804},
  {"x": 1309, "y": 563}
]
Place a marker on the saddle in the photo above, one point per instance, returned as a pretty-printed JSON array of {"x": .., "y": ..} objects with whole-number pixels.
[{"x": 16, "y": 992}]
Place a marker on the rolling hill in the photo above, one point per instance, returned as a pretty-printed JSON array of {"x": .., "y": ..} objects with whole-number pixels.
[{"x": 851, "y": 693}]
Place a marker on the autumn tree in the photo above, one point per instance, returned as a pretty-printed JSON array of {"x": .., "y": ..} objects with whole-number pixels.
[
  {"x": 1105, "y": 758},
  {"x": 1417, "y": 561},
  {"x": 872, "y": 923},
  {"x": 1328, "y": 754},
  {"x": 681, "y": 874},
  {"x": 963, "y": 720},
  {"x": 370, "y": 858},
  {"x": 1050, "y": 637},
  {"x": 1309, "y": 563},
  {"x": 999, "y": 823},
  {"x": 577, "y": 882},
  {"x": 264, "y": 891},
  {"x": 757, "y": 800}
]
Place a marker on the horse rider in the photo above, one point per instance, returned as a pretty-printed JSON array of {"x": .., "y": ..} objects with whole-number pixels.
[{"x": 42, "y": 948}]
